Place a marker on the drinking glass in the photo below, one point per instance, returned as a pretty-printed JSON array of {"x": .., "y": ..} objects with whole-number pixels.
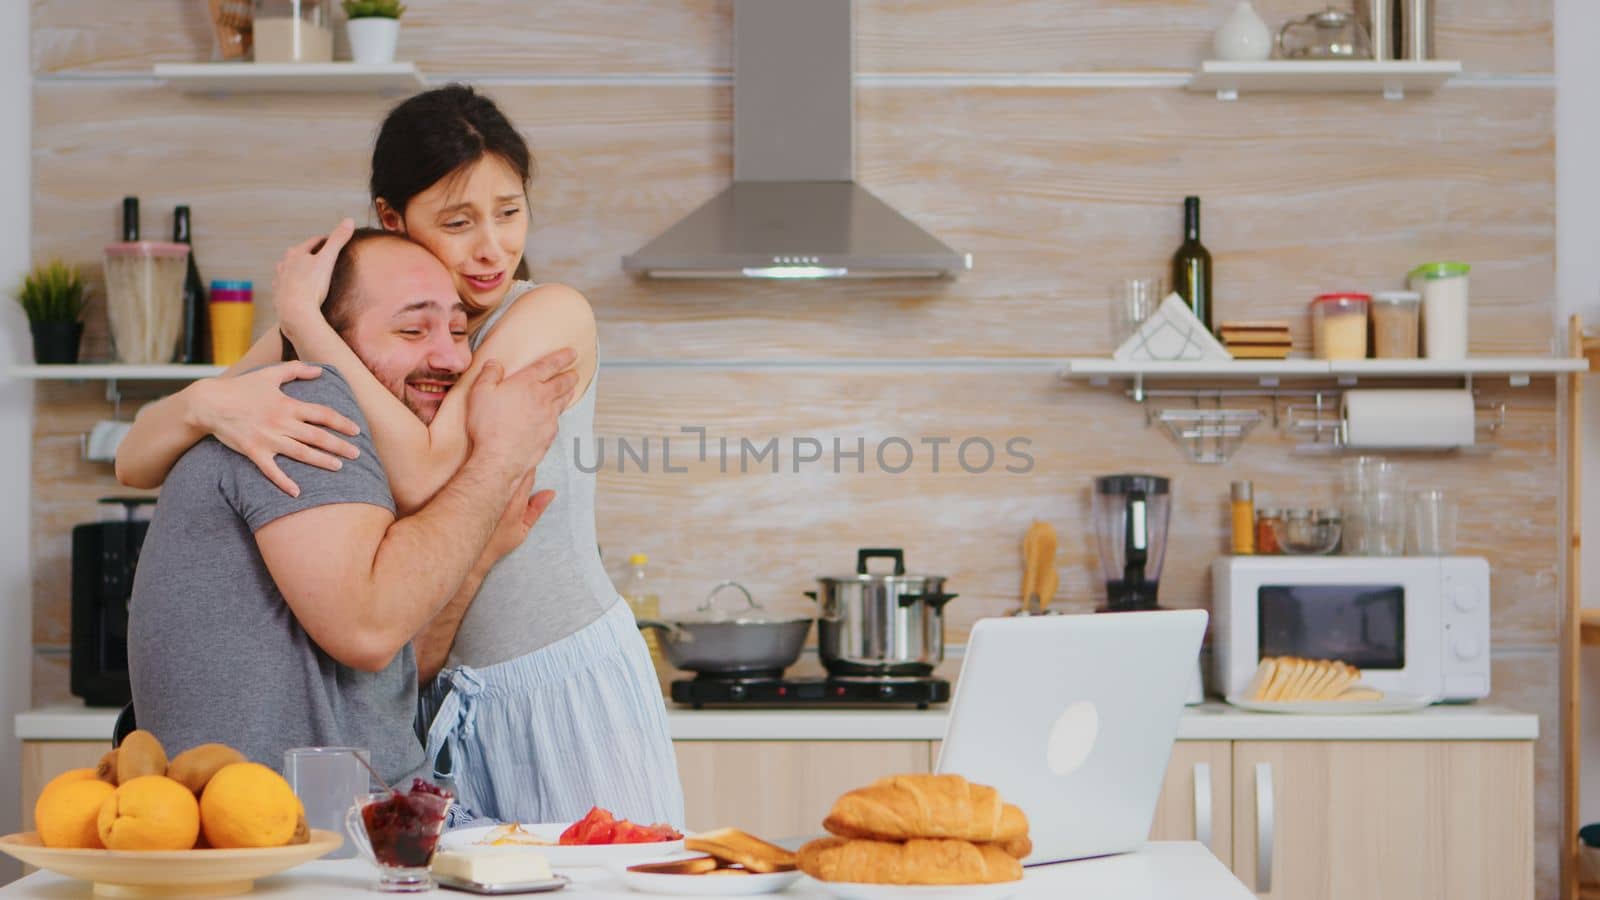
[
  {"x": 398, "y": 833},
  {"x": 1132, "y": 301},
  {"x": 322, "y": 777},
  {"x": 1433, "y": 524}
]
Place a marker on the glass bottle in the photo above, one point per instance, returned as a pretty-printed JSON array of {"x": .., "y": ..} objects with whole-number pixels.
[
  {"x": 1243, "y": 512},
  {"x": 640, "y": 596},
  {"x": 196, "y": 336},
  {"x": 1191, "y": 265}
]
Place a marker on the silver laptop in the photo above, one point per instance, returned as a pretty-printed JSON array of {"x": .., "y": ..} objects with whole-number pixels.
[{"x": 1072, "y": 718}]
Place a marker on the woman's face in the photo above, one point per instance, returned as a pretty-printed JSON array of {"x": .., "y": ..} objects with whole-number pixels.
[{"x": 476, "y": 222}]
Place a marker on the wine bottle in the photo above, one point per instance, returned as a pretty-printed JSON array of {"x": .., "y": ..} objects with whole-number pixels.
[
  {"x": 1191, "y": 265},
  {"x": 130, "y": 218},
  {"x": 196, "y": 340}
]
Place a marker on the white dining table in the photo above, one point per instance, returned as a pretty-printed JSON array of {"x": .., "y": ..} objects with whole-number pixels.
[{"x": 1167, "y": 870}]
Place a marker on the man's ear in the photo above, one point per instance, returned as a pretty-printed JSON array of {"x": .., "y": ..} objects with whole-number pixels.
[{"x": 388, "y": 218}]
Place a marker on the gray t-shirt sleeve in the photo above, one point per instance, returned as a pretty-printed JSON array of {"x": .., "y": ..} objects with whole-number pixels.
[{"x": 360, "y": 480}]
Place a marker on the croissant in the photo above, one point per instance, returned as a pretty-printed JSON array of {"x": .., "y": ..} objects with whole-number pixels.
[
  {"x": 926, "y": 806},
  {"x": 919, "y": 861}
]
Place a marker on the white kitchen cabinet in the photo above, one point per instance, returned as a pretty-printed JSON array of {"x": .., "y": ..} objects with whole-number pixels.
[
  {"x": 783, "y": 788},
  {"x": 1384, "y": 820},
  {"x": 1197, "y": 797}
]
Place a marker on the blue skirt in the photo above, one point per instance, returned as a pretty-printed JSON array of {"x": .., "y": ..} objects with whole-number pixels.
[{"x": 546, "y": 736}]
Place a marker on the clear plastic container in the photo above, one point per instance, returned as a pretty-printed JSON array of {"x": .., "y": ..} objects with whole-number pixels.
[
  {"x": 1396, "y": 318},
  {"x": 289, "y": 31},
  {"x": 1339, "y": 325},
  {"x": 1443, "y": 287},
  {"x": 144, "y": 300}
]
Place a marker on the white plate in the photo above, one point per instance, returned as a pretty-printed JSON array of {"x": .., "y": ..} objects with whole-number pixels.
[
  {"x": 573, "y": 856},
  {"x": 1392, "y": 702},
  {"x": 850, "y": 890},
  {"x": 705, "y": 885}
]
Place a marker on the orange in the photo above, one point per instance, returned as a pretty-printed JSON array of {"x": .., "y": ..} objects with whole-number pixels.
[
  {"x": 67, "y": 811},
  {"x": 151, "y": 812},
  {"x": 249, "y": 805},
  {"x": 71, "y": 775}
]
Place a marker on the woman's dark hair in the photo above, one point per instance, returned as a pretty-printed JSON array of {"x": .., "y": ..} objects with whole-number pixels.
[{"x": 435, "y": 134}]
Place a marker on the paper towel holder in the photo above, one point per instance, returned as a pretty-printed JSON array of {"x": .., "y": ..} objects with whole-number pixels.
[{"x": 1327, "y": 430}]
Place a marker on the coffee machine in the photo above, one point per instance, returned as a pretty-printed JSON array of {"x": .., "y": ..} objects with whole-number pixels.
[
  {"x": 1130, "y": 520},
  {"x": 104, "y": 555}
]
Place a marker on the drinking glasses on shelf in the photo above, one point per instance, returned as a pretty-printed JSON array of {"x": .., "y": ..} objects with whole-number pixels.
[
  {"x": 1433, "y": 524},
  {"x": 1132, "y": 301},
  {"x": 1372, "y": 498}
]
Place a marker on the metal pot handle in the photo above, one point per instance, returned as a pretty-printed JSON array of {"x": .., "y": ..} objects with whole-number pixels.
[
  {"x": 827, "y": 612},
  {"x": 896, "y": 554},
  {"x": 937, "y": 601},
  {"x": 710, "y": 601},
  {"x": 674, "y": 633}
]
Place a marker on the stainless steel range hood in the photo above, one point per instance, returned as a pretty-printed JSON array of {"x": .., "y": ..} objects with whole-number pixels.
[{"x": 794, "y": 209}]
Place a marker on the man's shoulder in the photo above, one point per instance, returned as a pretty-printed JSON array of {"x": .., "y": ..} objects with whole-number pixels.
[{"x": 330, "y": 389}]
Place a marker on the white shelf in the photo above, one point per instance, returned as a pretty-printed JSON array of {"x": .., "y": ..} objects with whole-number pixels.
[
  {"x": 113, "y": 372},
  {"x": 1391, "y": 79},
  {"x": 321, "y": 78},
  {"x": 1101, "y": 367}
]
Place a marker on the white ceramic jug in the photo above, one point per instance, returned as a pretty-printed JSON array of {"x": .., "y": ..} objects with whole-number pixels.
[{"x": 1243, "y": 37}]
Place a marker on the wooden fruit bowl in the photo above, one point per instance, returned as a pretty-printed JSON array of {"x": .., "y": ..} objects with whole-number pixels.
[{"x": 162, "y": 873}]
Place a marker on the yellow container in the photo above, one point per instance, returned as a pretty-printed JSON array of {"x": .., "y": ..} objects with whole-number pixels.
[{"x": 232, "y": 317}]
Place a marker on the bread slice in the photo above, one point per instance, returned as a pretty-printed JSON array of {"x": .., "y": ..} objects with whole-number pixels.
[
  {"x": 1263, "y": 677},
  {"x": 735, "y": 847},
  {"x": 698, "y": 865},
  {"x": 1343, "y": 676},
  {"x": 1359, "y": 694},
  {"x": 1327, "y": 672},
  {"x": 1289, "y": 673}
]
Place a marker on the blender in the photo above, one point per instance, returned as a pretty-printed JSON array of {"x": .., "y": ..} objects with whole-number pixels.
[{"x": 1130, "y": 520}]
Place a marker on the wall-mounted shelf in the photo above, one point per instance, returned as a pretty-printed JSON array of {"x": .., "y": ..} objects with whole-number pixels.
[
  {"x": 320, "y": 78},
  {"x": 113, "y": 372},
  {"x": 1391, "y": 79},
  {"x": 1268, "y": 372}
]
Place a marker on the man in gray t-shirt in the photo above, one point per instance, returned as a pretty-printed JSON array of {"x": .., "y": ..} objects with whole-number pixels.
[{"x": 268, "y": 621}]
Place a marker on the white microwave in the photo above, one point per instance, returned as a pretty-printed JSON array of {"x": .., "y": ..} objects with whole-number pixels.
[{"x": 1413, "y": 624}]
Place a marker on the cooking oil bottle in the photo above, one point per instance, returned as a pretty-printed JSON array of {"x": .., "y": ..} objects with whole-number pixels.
[{"x": 638, "y": 591}]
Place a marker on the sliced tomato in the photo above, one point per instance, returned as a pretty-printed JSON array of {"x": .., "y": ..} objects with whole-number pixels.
[{"x": 594, "y": 828}]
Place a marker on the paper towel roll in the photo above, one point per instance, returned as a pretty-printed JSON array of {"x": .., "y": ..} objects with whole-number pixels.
[{"x": 1436, "y": 418}]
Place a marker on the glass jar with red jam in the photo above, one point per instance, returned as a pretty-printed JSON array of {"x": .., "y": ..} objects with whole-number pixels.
[{"x": 399, "y": 832}]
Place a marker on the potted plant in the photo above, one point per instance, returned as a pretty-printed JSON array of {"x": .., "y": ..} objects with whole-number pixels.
[
  {"x": 374, "y": 29},
  {"x": 52, "y": 295}
]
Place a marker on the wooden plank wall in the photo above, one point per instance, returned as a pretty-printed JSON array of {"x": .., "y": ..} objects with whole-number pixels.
[{"x": 1056, "y": 190}]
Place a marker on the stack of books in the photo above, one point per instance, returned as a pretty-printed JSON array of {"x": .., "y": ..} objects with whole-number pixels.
[{"x": 1256, "y": 340}]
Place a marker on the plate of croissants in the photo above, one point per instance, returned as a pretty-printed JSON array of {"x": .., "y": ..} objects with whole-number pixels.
[{"x": 920, "y": 837}]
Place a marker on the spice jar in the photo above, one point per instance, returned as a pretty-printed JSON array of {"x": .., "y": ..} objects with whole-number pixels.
[
  {"x": 1339, "y": 325},
  {"x": 1267, "y": 521},
  {"x": 1394, "y": 324},
  {"x": 1444, "y": 308}
]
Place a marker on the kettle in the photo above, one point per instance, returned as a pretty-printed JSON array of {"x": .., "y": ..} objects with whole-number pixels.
[{"x": 1332, "y": 33}]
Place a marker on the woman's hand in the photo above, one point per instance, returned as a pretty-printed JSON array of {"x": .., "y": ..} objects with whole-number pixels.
[
  {"x": 251, "y": 415},
  {"x": 301, "y": 282}
]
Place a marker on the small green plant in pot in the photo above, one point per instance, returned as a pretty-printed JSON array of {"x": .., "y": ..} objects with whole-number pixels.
[
  {"x": 374, "y": 29},
  {"x": 53, "y": 297}
]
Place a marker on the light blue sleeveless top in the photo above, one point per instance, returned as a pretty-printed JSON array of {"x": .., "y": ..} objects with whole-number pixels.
[{"x": 553, "y": 584}]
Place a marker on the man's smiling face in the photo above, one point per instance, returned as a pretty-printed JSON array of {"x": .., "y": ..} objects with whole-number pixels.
[{"x": 409, "y": 327}]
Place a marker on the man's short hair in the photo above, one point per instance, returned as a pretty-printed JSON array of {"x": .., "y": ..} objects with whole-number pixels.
[{"x": 339, "y": 307}]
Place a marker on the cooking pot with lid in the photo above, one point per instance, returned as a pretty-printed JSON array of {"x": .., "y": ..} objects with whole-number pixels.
[
  {"x": 749, "y": 642},
  {"x": 879, "y": 625}
]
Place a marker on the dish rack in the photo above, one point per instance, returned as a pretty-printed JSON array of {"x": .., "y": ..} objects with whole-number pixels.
[{"x": 1209, "y": 435}]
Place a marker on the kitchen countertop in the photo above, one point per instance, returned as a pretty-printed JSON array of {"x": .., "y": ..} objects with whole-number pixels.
[
  {"x": 1211, "y": 721},
  {"x": 1178, "y": 870}
]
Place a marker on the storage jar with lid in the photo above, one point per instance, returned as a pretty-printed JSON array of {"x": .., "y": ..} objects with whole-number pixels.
[
  {"x": 290, "y": 31},
  {"x": 1443, "y": 286},
  {"x": 1339, "y": 325},
  {"x": 144, "y": 299},
  {"x": 1395, "y": 316}
]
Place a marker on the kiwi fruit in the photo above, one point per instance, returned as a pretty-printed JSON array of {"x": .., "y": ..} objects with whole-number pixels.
[
  {"x": 140, "y": 754},
  {"x": 302, "y": 831},
  {"x": 107, "y": 769},
  {"x": 194, "y": 767}
]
